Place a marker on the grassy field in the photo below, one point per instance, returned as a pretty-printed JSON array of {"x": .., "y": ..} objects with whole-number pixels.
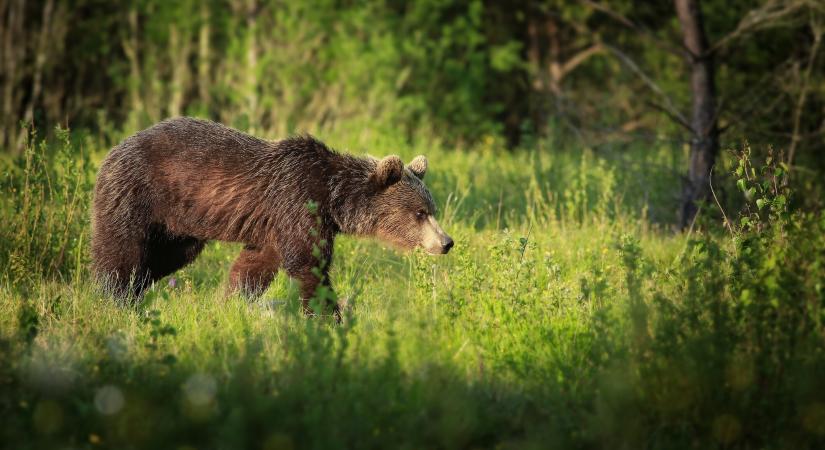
[{"x": 568, "y": 315}]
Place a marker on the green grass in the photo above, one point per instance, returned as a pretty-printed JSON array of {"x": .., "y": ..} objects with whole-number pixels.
[{"x": 569, "y": 314}]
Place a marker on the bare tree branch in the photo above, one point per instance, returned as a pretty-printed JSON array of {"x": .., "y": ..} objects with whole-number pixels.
[
  {"x": 765, "y": 16},
  {"x": 668, "y": 105},
  {"x": 580, "y": 57},
  {"x": 817, "y": 30},
  {"x": 618, "y": 17},
  {"x": 679, "y": 119}
]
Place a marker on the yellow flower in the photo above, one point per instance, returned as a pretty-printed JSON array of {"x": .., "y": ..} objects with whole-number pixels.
[{"x": 95, "y": 439}]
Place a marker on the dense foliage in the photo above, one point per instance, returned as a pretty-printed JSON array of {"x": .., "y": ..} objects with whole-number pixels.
[{"x": 593, "y": 72}]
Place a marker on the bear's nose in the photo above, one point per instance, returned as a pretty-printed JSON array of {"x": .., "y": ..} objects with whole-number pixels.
[{"x": 448, "y": 244}]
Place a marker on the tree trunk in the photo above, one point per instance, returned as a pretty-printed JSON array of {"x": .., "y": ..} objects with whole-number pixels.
[
  {"x": 251, "y": 82},
  {"x": 12, "y": 59},
  {"x": 547, "y": 58},
  {"x": 204, "y": 80},
  {"x": 40, "y": 57},
  {"x": 179, "y": 48},
  {"x": 536, "y": 53},
  {"x": 130, "y": 49},
  {"x": 704, "y": 143}
]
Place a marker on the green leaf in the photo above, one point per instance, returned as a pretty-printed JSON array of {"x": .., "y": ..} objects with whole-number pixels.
[
  {"x": 741, "y": 184},
  {"x": 760, "y": 203}
]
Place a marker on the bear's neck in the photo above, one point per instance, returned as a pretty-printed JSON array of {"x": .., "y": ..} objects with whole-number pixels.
[{"x": 351, "y": 189}]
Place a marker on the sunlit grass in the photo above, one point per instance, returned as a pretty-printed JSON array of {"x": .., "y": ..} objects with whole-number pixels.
[{"x": 568, "y": 314}]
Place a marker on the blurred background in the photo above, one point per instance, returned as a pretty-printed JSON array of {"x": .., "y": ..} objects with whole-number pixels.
[{"x": 548, "y": 75}]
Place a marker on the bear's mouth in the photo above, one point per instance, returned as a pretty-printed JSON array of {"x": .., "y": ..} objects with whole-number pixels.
[{"x": 442, "y": 250}]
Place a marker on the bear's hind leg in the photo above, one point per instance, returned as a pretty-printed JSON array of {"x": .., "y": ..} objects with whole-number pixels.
[
  {"x": 123, "y": 276},
  {"x": 254, "y": 270},
  {"x": 167, "y": 253},
  {"x": 119, "y": 261}
]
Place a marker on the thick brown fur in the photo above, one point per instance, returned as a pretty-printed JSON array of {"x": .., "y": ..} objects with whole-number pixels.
[{"x": 164, "y": 192}]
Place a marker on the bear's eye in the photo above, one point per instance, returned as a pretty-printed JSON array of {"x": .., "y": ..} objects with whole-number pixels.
[{"x": 421, "y": 215}]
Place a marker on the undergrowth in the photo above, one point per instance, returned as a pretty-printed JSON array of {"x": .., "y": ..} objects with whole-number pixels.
[{"x": 567, "y": 316}]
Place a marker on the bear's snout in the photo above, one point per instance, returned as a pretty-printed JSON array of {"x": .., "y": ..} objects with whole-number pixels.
[
  {"x": 435, "y": 241},
  {"x": 447, "y": 245}
]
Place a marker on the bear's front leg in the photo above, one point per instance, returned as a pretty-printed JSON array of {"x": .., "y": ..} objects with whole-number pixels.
[
  {"x": 308, "y": 262},
  {"x": 306, "y": 274},
  {"x": 310, "y": 285}
]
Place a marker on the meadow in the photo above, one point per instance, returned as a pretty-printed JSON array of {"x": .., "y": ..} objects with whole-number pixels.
[{"x": 570, "y": 314}]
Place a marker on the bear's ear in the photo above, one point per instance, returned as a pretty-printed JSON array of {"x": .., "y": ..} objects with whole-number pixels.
[
  {"x": 388, "y": 171},
  {"x": 418, "y": 166}
]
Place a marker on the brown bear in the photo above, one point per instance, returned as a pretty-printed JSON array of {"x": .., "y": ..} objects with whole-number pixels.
[{"x": 164, "y": 192}]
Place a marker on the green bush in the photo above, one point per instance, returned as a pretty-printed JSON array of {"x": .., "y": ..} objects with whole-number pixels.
[{"x": 45, "y": 210}]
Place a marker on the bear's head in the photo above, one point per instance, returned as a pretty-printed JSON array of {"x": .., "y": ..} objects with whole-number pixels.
[{"x": 403, "y": 207}]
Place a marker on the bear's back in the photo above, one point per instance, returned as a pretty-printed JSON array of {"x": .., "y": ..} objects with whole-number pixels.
[
  {"x": 187, "y": 140},
  {"x": 197, "y": 139}
]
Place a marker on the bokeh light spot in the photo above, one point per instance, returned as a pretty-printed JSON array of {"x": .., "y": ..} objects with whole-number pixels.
[
  {"x": 200, "y": 389},
  {"x": 109, "y": 400}
]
